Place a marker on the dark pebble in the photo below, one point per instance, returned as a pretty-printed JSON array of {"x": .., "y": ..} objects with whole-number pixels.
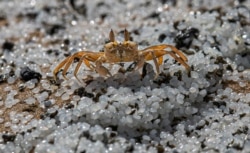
[
  {"x": 161, "y": 37},
  {"x": 27, "y": 74},
  {"x": 81, "y": 92},
  {"x": 80, "y": 8},
  {"x": 3, "y": 78},
  {"x": 53, "y": 29},
  {"x": 184, "y": 38},
  {"x": 7, "y": 45},
  {"x": 8, "y": 137}
]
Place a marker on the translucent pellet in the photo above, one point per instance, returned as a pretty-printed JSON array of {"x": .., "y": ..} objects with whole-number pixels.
[
  {"x": 193, "y": 90},
  {"x": 65, "y": 96},
  {"x": 15, "y": 120},
  {"x": 45, "y": 85},
  {"x": 59, "y": 92},
  {"x": 1, "y": 120},
  {"x": 14, "y": 92},
  {"x": 8, "y": 88},
  {"x": 30, "y": 84},
  {"x": 30, "y": 100},
  {"x": 15, "y": 128},
  {"x": 71, "y": 91},
  {"x": 128, "y": 110},
  {"x": 180, "y": 98},
  {"x": 76, "y": 112},
  {"x": 194, "y": 74},
  {"x": 7, "y": 124},
  {"x": 11, "y": 80},
  {"x": 42, "y": 97},
  {"x": 76, "y": 98},
  {"x": 242, "y": 84},
  {"x": 36, "y": 90}
]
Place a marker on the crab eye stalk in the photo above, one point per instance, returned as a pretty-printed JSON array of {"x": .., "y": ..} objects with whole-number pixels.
[
  {"x": 126, "y": 35},
  {"x": 111, "y": 36}
]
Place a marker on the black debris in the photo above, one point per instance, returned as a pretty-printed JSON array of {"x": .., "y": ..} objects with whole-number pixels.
[
  {"x": 3, "y": 78},
  {"x": 131, "y": 67},
  {"x": 7, "y": 45},
  {"x": 79, "y": 7},
  {"x": 185, "y": 37},
  {"x": 153, "y": 15},
  {"x": 82, "y": 92},
  {"x": 50, "y": 115},
  {"x": 169, "y": 2},
  {"x": 69, "y": 106},
  {"x": 66, "y": 41},
  {"x": 161, "y": 37},
  {"x": 53, "y": 52},
  {"x": 27, "y": 74},
  {"x": 8, "y": 137},
  {"x": 53, "y": 29}
]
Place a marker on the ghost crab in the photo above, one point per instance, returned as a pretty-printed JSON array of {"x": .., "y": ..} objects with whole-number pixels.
[{"x": 118, "y": 52}]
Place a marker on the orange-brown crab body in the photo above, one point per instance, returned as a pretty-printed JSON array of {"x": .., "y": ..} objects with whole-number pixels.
[{"x": 115, "y": 52}]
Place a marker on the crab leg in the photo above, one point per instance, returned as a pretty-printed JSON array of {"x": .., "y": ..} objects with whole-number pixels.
[
  {"x": 156, "y": 64},
  {"x": 160, "y": 60},
  {"x": 140, "y": 62},
  {"x": 163, "y": 46},
  {"x": 180, "y": 60},
  {"x": 101, "y": 69},
  {"x": 71, "y": 59},
  {"x": 156, "y": 47},
  {"x": 160, "y": 53},
  {"x": 87, "y": 58},
  {"x": 182, "y": 56},
  {"x": 84, "y": 56},
  {"x": 58, "y": 67},
  {"x": 82, "y": 59},
  {"x": 152, "y": 56}
]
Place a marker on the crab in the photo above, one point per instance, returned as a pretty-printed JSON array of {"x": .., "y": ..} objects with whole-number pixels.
[{"x": 119, "y": 52}]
